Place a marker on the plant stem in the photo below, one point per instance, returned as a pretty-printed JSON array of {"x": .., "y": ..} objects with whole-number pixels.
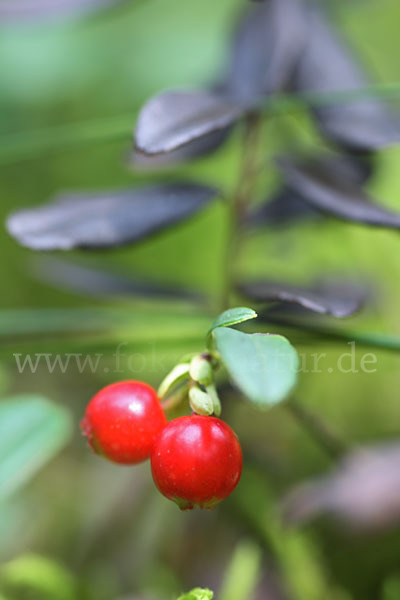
[
  {"x": 369, "y": 339},
  {"x": 321, "y": 433},
  {"x": 242, "y": 197},
  {"x": 249, "y": 169}
]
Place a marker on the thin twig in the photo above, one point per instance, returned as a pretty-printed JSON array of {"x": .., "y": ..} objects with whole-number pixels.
[
  {"x": 321, "y": 432},
  {"x": 241, "y": 199},
  {"x": 31, "y": 144},
  {"x": 368, "y": 339}
]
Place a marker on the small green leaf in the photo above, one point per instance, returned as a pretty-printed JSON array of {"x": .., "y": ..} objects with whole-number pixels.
[
  {"x": 39, "y": 577},
  {"x": 198, "y": 594},
  {"x": 263, "y": 366},
  {"x": 243, "y": 573},
  {"x": 233, "y": 316},
  {"x": 32, "y": 431}
]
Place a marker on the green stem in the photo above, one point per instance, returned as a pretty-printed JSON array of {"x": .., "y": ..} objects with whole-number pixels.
[
  {"x": 241, "y": 199},
  {"x": 289, "y": 102},
  {"x": 321, "y": 433},
  {"x": 383, "y": 341},
  {"x": 24, "y": 145}
]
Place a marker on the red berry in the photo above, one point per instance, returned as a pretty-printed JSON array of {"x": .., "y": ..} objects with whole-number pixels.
[
  {"x": 123, "y": 420},
  {"x": 196, "y": 461}
]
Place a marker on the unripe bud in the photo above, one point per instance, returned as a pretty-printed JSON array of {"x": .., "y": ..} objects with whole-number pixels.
[
  {"x": 201, "y": 370},
  {"x": 200, "y": 402}
]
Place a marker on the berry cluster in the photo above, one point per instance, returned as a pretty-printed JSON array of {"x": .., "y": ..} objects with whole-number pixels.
[{"x": 196, "y": 460}]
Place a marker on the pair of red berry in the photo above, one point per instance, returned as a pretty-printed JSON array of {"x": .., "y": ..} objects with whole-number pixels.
[{"x": 195, "y": 460}]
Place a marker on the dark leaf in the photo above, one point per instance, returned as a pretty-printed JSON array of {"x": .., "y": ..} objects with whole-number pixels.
[
  {"x": 327, "y": 65},
  {"x": 265, "y": 50},
  {"x": 175, "y": 118},
  {"x": 288, "y": 207},
  {"x": 107, "y": 219},
  {"x": 364, "y": 492},
  {"x": 11, "y": 10},
  {"x": 338, "y": 300},
  {"x": 285, "y": 208},
  {"x": 195, "y": 149},
  {"x": 357, "y": 170},
  {"x": 92, "y": 281},
  {"x": 330, "y": 188}
]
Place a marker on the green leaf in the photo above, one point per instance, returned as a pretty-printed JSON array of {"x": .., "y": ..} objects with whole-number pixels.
[
  {"x": 32, "y": 431},
  {"x": 198, "y": 594},
  {"x": 146, "y": 316},
  {"x": 263, "y": 366},
  {"x": 233, "y": 316},
  {"x": 243, "y": 573},
  {"x": 38, "y": 577}
]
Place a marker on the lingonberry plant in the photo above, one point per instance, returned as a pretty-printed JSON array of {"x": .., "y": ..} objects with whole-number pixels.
[
  {"x": 195, "y": 460},
  {"x": 285, "y": 58}
]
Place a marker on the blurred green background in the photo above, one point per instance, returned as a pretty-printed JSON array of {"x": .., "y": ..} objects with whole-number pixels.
[{"x": 107, "y": 526}]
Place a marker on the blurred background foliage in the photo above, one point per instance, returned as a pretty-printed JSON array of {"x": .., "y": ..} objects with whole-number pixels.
[{"x": 83, "y": 528}]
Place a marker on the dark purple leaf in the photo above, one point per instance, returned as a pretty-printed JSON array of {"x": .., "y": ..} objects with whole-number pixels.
[
  {"x": 175, "y": 118},
  {"x": 285, "y": 208},
  {"x": 107, "y": 219},
  {"x": 364, "y": 492},
  {"x": 337, "y": 299},
  {"x": 265, "y": 50},
  {"x": 195, "y": 149},
  {"x": 330, "y": 188},
  {"x": 13, "y": 10},
  {"x": 327, "y": 65},
  {"x": 358, "y": 170},
  {"x": 92, "y": 281},
  {"x": 288, "y": 207}
]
